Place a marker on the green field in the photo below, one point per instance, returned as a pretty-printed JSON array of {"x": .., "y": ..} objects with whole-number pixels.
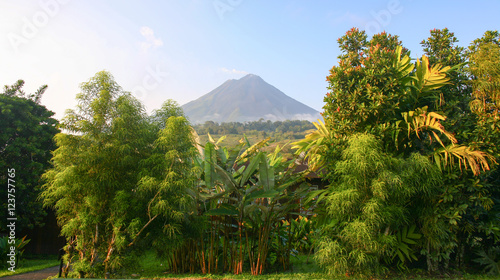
[{"x": 303, "y": 269}]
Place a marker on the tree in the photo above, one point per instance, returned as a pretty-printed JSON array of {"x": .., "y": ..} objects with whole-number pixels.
[
  {"x": 167, "y": 183},
  {"x": 376, "y": 197},
  {"x": 441, "y": 48},
  {"x": 27, "y": 131},
  {"x": 390, "y": 97},
  {"x": 375, "y": 89},
  {"x": 366, "y": 90},
  {"x": 484, "y": 65},
  {"x": 464, "y": 198},
  {"x": 94, "y": 176},
  {"x": 120, "y": 178},
  {"x": 169, "y": 108}
]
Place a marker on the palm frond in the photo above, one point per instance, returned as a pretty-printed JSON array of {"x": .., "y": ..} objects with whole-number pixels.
[
  {"x": 465, "y": 156},
  {"x": 313, "y": 144},
  {"x": 403, "y": 65},
  {"x": 430, "y": 78},
  {"x": 420, "y": 120}
]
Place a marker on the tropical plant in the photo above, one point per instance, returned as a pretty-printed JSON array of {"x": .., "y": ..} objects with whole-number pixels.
[
  {"x": 394, "y": 108},
  {"x": 489, "y": 259},
  {"x": 315, "y": 146},
  {"x": 302, "y": 229},
  {"x": 375, "y": 195},
  {"x": 376, "y": 89},
  {"x": 166, "y": 180},
  {"x": 406, "y": 239},
  {"x": 116, "y": 177},
  {"x": 243, "y": 197},
  {"x": 5, "y": 250}
]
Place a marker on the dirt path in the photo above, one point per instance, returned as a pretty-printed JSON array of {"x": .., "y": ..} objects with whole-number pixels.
[{"x": 34, "y": 275}]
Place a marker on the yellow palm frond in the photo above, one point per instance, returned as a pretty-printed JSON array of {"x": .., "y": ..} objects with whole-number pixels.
[
  {"x": 421, "y": 120},
  {"x": 465, "y": 156},
  {"x": 313, "y": 144},
  {"x": 403, "y": 65},
  {"x": 430, "y": 78}
]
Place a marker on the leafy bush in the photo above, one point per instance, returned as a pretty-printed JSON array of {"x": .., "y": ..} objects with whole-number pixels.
[
  {"x": 490, "y": 260},
  {"x": 5, "y": 250},
  {"x": 372, "y": 198}
]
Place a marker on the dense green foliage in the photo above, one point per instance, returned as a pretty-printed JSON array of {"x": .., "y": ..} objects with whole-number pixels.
[
  {"x": 123, "y": 181},
  {"x": 243, "y": 197},
  {"x": 409, "y": 150},
  {"x": 256, "y": 126},
  {"x": 430, "y": 110},
  {"x": 375, "y": 197},
  {"x": 467, "y": 199},
  {"x": 101, "y": 181},
  {"x": 5, "y": 251},
  {"x": 95, "y": 172},
  {"x": 26, "y": 132}
]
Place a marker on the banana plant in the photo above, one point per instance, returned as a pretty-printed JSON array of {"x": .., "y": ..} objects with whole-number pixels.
[{"x": 251, "y": 192}]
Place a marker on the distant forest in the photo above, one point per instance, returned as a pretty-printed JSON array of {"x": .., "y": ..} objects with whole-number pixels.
[{"x": 264, "y": 128}]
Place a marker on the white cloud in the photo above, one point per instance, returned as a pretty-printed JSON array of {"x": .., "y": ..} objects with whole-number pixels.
[
  {"x": 151, "y": 40},
  {"x": 233, "y": 71}
]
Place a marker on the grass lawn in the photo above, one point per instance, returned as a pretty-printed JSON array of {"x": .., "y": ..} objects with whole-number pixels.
[
  {"x": 32, "y": 264},
  {"x": 150, "y": 267}
]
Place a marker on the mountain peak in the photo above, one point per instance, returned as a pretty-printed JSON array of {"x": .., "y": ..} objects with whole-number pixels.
[
  {"x": 250, "y": 77},
  {"x": 248, "y": 99}
]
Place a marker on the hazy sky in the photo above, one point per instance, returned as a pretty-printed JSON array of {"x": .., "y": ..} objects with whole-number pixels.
[{"x": 183, "y": 49}]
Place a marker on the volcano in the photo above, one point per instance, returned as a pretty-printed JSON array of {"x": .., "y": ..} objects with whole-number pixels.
[{"x": 247, "y": 99}]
